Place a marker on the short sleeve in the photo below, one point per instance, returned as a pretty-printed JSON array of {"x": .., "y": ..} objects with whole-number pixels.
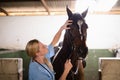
[{"x": 50, "y": 52}]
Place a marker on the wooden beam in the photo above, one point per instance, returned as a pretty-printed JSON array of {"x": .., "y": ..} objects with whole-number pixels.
[
  {"x": 117, "y": 12},
  {"x": 4, "y": 11},
  {"x": 45, "y": 6}
]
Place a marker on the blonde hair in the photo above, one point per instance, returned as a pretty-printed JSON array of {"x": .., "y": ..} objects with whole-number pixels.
[{"x": 32, "y": 48}]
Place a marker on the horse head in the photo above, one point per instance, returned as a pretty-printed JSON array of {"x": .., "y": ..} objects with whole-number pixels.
[{"x": 77, "y": 34}]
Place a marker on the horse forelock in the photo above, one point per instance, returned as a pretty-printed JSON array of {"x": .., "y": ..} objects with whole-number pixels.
[{"x": 75, "y": 17}]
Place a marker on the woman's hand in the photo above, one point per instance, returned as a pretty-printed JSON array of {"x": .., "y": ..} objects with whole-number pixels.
[
  {"x": 58, "y": 34},
  {"x": 65, "y": 26},
  {"x": 68, "y": 65}
]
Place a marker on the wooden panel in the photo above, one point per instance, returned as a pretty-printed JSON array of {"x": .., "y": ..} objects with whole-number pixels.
[
  {"x": 10, "y": 69},
  {"x": 110, "y": 68}
]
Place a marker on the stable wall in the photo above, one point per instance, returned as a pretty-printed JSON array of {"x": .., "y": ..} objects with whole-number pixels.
[{"x": 16, "y": 31}]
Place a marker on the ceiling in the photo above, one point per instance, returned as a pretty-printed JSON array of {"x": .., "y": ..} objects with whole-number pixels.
[{"x": 43, "y": 7}]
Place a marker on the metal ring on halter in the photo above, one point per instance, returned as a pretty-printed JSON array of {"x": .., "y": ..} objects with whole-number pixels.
[{"x": 80, "y": 58}]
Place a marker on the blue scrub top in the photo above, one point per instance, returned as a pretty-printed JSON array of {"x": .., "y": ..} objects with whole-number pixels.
[{"x": 41, "y": 71}]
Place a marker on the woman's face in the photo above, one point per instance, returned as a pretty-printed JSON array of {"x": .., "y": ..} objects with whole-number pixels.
[{"x": 42, "y": 49}]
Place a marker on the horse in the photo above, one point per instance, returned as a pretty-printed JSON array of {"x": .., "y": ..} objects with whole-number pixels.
[{"x": 74, "y": 47}]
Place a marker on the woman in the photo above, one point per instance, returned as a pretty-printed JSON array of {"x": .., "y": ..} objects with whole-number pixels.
[{"x": 40, "y": 67}]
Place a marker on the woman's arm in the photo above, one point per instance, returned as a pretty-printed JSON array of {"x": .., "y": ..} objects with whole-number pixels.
[
  {"x": 67, "y": 68},
  {"x": 58, "y": 34}
]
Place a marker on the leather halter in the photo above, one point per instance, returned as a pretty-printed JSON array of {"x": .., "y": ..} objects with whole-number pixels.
[
  {"x": 71, "y": 39},
  {"x": 73, "y": 48}
]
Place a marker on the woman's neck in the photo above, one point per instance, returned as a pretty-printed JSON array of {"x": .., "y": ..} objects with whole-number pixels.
[{"x": 40, "y": 59}]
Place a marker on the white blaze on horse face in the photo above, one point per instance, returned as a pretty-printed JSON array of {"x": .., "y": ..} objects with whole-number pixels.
[{"x": 80, "y": 22}]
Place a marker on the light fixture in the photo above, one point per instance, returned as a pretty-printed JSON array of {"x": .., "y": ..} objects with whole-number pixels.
[
  {"x": 104, "y": 5},
  {"x": 94, "y": 5}
]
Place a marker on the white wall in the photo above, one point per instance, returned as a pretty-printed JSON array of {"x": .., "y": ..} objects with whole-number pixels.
[
  {"x": 104, "y": 31},
  {"x": 16, "y": 31}
]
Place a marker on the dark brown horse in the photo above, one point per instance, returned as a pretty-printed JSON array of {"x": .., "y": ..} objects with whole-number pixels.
[{"x": 74, "y": 47}]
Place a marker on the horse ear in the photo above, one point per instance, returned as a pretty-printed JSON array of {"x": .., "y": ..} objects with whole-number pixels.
[
  {"x": 69, "y": 12},
  {"x": 84, "y": 13}
]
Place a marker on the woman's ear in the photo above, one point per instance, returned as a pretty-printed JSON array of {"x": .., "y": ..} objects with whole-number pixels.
[{"x": 37, "y": 54}]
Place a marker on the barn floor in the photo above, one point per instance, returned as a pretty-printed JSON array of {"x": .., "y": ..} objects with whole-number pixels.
[{"x": 91, "y": 70}]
